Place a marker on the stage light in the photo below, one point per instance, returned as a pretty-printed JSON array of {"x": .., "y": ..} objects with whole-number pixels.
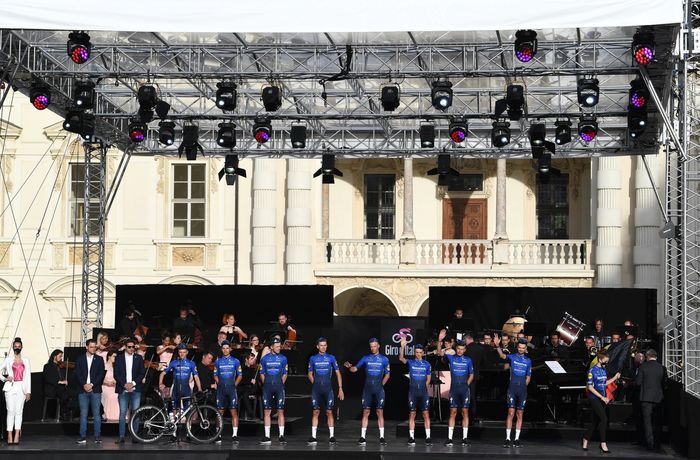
[
  {"x": 137, "y": 131},
  {"x": 226, "y": 95},
  {"x": 443, "y": 170},
  {"x": 636, "y": 122},
  {"x": 427, "y": 135},
  {"x": 537, "y": 134},
  {"x": 226, "y": 136},
  {"x": 272, "y": 98},
  {"x": 166, "y": 132},
  {"x": 190, "y": 142},
  {"x": 544, "y": 163},
  {"x": 87, "y": 130},
  {"x": 639, "y": 94},
  {"x": 73, "y": 121},
  {"x": 441, "y": 94},
  {"x": 40, "y": 96},
  {"x": 643, "y": 47},
  {"x": 515, "y": 97},
  {"x": 500, "y": 134},
  {"x": 458, "y": 130},
  {"x": 231, "y": 170},
  {"x": 84, "y": 94},
  {"x": 298, "y": 135},
  {"x": 328, "y": 170},
  {"x": 147, "y": 97},
  {"x": 588, "y": 92},
  {"x": 390, "y": 97},
  {"x": 262, "y": 129},
  {"x": 525, "y": 45},
  {"x": 78, "y": 47},
  {"x": 587, "y": 128},
  {"x": 563, "y": 132}
]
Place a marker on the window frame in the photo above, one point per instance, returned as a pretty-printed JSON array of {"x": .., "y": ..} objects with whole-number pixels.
[
  {"x": 550, "y": 210},
  {"x": 189, "y": 201},
  {"x": 380, "y": 207}
]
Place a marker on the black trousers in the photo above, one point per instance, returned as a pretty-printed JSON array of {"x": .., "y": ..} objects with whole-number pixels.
[
  {"x": 245, "y": 404},
  {"x": 651, "y": 414},
  {"x": 600, "y": 419}
]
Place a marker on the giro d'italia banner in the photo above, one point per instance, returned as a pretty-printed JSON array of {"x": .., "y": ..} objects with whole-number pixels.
[{"x": 394, "y": 329}]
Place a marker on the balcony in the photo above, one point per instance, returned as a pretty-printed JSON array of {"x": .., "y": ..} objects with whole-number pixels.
[{"x": 459, "y": 258}]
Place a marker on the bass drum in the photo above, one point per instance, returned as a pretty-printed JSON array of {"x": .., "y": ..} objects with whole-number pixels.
[{"x": 569, "y": 329}]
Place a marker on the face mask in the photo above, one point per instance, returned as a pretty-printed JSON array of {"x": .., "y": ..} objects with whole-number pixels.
[{"x": 18, "y": 351}]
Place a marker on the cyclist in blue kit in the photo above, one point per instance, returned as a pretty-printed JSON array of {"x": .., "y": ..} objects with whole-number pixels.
[
  {"x": 273, "y": 373},
  {"x": 322, "y": 366},
  {"x": 228, "y": 374},
  {"x": 520, "y": 370},
  {"x": 377, "y": 374},
  {"x": 461, "y": 376},
  {"x": 418, "y": 399},
  {"x": 182, "y": 369}
]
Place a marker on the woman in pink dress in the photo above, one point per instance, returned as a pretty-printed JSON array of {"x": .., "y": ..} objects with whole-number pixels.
[{"x": 110, "y": 399}]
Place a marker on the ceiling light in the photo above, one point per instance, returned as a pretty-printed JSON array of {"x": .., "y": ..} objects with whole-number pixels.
[
  {"x": 587, "y": 128},
  {"x": 84, "y": 94},
  {"x": 525, "y": 45},
  {"x": 441, "y": 94},
  {"x": 40, "y": 96},
  {"x": 262, "y": 129},
  {"x": 444, "y": 171},
  {"x": 563, "y": 132},
  {"x": 500, "y": 134},
  {"x": 588, "y": 92},
  {"x": 226, "y": 136},
  {"x": 643, "y": 47},
  {"x": 272, "y": 98},
  {"x": 231, "y": 170},
  {"x": 298, "y": 135},
  {"x": 427, "y": 135},
  {"x": 328, "y": 169},
  {"x": 137, "y": 131},
  {"x": 226, "y": 95},
  {"x": 166, "y": 132},
  {"x": 458, "y": 130},
  {"x": 78, "y": 47},
  {"x": 390, "y": 97}
]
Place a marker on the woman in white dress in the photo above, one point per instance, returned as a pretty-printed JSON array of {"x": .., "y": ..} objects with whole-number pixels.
[{"x": 16, "y": 373}]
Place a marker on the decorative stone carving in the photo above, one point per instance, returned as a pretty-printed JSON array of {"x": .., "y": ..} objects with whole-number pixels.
[
  {"x": 210, "y": 261},
  {"x": 5, "y": 255},
  {"x": 213, "y": 176},
  {"x": 188, "y": 256},
  {"x": 8, "y": 163},
  {"x": 59, "y": 256},
  {"x": 162, "y": 256}
]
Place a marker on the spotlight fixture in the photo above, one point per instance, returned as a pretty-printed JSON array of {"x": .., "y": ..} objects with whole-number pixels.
[
  {"x": 643, "y": 47},
  {"x": 444, "y": 171},
  {"x": 515, "y": 97},
  {"x": 636, "y": 122},
  {"x": 262, "y": 129},
  {"x": 84, "y": 94},
  {"x": 563, "y": 132},
  {"x": 525, "y": 45},
  {"x": 137, "y": 131},
  {"x": 639, "y": 94},
  {"x": 226, "y": 136},
  {"x": 147, "y": 97},
  {"x": 588, "y": 92},
  {"x": 272, "y": 98},
  {"x": 40, "y": 96},
  {"x": 544, "y": 168},
  {"x": 427, "y": 135},
  {"x": 78, "y": 47},
  {"x": 226, "y": 95},
  {"x": 87, "y": 130},
  {"x": 441, "y": 94},
  {"x": 500, "y": 134},
  {"x": 458, "y": 130},
  {"x": 537, "y": 134},
  {"x": 587, "y": 128},
  {"x": 390, "y": 97},
  {"x": 298, "y": 135},
  {"x": 328, "y": 171},
  {"x": 190, "y": 142},
  {"x": 166, "y": 132},
  {"x": 73, "y": 121},
  {"x": 231, "y": 170}
]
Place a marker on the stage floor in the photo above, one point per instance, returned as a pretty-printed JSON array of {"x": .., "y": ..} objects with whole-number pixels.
[{"x": 64, "y": 447}]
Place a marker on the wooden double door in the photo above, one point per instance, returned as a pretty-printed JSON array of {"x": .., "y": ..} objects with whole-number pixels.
[{"x": 464, "y": 219}]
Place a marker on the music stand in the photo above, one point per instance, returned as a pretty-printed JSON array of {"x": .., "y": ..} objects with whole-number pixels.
[{"x": 460, "y": 326}]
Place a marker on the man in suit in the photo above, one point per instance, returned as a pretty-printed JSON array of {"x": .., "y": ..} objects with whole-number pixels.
[
  {"x": 89, "y": 373},
  {"x": 651, "y": 381},
  {"x": 129, "y": 372}
]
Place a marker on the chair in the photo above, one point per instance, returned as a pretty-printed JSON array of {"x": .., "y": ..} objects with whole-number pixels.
[{"x": 58, "y": 408}]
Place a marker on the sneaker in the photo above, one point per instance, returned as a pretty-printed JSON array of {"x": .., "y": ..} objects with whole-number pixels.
[
  {"x": 448, "y": 442},
  {"x": 361, "y": 441},
  {"x": 218, "y": 440},
  {"x": 507, "y": 443},
  {"x": 265, "y": 440},
  {"x": 411, "y": 441},
  {"x": 516, "y": 443},
  {"x": 465, "y": 442},
  {"x": 98, "y": 441},
  {"x": 234, "y": 438},
  {"x": 382, "y": 441},
  {"x": 428, "y": 442},
  {"x": 332, "y": 440},
  {"x": 81, "y": 441},
  {"x": 119, "y": 441},
  {"x": 282, "y": 440},
  {"x": 311, "y": 440}
]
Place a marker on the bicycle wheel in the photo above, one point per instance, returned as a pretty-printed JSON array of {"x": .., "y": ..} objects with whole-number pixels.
[
  {"x": 204, "y": 424},
  {"x": 148, "y": 423}
]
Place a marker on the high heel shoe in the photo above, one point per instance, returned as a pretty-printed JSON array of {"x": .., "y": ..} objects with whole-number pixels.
[
  {"x": 604, "y": 451},
  {"x": 584, "y": 447}
]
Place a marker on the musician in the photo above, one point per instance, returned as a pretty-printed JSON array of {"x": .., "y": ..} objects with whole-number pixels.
[
  {"x": 555, "y": 350},
  {"x": 56, "y": 381},
  {"x": 90, "y": 372},
  {"x": 591, "y": 351},
  {"x": 598, "y": 334},
  {"x": 507, "y": 346},
  {"x": 448, "y": 344},
  {"x": 165, "y": 349},
  {"x": 322, "y": 366},
  {"x": 186, "y": 324},
  {"x": 103, "y": 345},
  {"x": 273, "y": 373},
  {"x": 130, "y": 324},
  {"x": 248, "y": 388},
  {"x": 234, "y": 334},
  {"x": 462, "y": 375},
  {"x": 182, "y": 369},
  {"x": 521, "y": 337},
  {"x": 419, "y": 380},
  {"x": 254, "y": 345},
  {"x": 17, "y": 375},
  {"x": 205, "y": 370},
  {"x": 129, "y": 372},
  {"x": 283, "y": 326},
  {"x": 597, "y": 385},
  {"x": 215, "y": 348},
  {"x": 458, "y": 314},
  {"x": 376, "y": 376},
  {"x": 520, "y": 372},
  {"x": 616, "y": 337},
  {"x": 228, "y": 374}
]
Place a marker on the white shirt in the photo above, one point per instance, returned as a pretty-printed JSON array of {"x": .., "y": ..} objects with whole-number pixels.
[
  {"x": 89, "y": 364},
  {"x": 129, "y": 359}
]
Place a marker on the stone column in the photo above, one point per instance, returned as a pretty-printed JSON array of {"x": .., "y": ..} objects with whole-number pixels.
[
  {"x": 264, "y": 253},
  {"x": 501, "y": 233},
  {"x": 298, "y": 218},
  {"x": 647, "y": 220},
  {"x": 608, "y": 250},
  {"x": 408, "y": 199},
  {"x": 325, "y": 211}
]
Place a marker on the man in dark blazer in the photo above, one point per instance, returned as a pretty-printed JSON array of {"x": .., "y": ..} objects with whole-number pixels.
[
  {"x": 651, "y": 382},
  {"x": 129, "y": 372},
  {"x": 90, "y": 373}
]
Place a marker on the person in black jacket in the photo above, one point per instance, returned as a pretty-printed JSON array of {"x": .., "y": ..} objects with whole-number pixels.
[
  {"x": 651, "y": 381},
  {"x": 129, "y": 371},
  {"x": 90, "y": 373},
  {"x": 248, "y": 389},
  {"x": 186, "y": 323},
  {"x": 55, "y": 381}
]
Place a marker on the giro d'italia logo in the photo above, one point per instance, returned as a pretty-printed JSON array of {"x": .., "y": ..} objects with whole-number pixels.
[{"x": 403, "y": 333}]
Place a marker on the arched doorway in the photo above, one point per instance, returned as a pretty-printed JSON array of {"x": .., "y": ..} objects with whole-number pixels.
[
  {"x": 363, "y": 301},
  {"x": 424, "y": 307}
]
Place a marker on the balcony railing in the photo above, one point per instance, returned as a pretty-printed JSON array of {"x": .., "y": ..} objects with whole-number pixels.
[
  {"x": 454, "y": 252},
  {"x": 363, "y": 252}
]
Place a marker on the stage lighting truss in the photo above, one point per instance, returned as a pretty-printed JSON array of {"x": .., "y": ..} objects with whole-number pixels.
[
  {"x": 500, "y": 134},
  {"x": 166, "y": 132},
  {"x": 458, "y": 130},
  {"x": 390, "y": 97},
  {"x": 297, "y": 135},
  {"x": 226, "y": 136},
  {"x": 137, "y": 131},
  {"x": 443, "y": 170},
  {"x": 40, "y": 96},
  {"x": 231, "y": 170},
  {"x": 426, "y": 133},
  {"x": 84, "y": 94},
  {"x": 562, "y": 134},
  {"x": 328, "y": 171},
  {"x": 525, "y": 45},
  {"x": 643, "y": 47},
  {"x": 262, "y": 129},
  {"x": 78, "y": 47},
  {"x": 587, "y": 128},
  {"x": 588, "y": 92},
  {"x": 638, "y": 94},
  {"x": 441, "y": 94},
  {"x": 271, "y": 98}
]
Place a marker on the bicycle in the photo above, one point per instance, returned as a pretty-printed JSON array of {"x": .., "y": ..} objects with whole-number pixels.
[{"x": 150, "y": 423}]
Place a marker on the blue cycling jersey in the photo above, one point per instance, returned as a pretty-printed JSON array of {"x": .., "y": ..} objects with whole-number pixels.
[
  {"x": 520, "y": 368},
  {"x": 377, "y": 367},
  {"x": 182, "y": 369},
  {"x": 461, "y": 367},
  {"x": 418, "y": 372},
  {"x": 322, "y": 366},
  {"x": 273, "y": 367},
  {"x": 227, "y": 368},
  {"x": 598, "y": 378}
]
